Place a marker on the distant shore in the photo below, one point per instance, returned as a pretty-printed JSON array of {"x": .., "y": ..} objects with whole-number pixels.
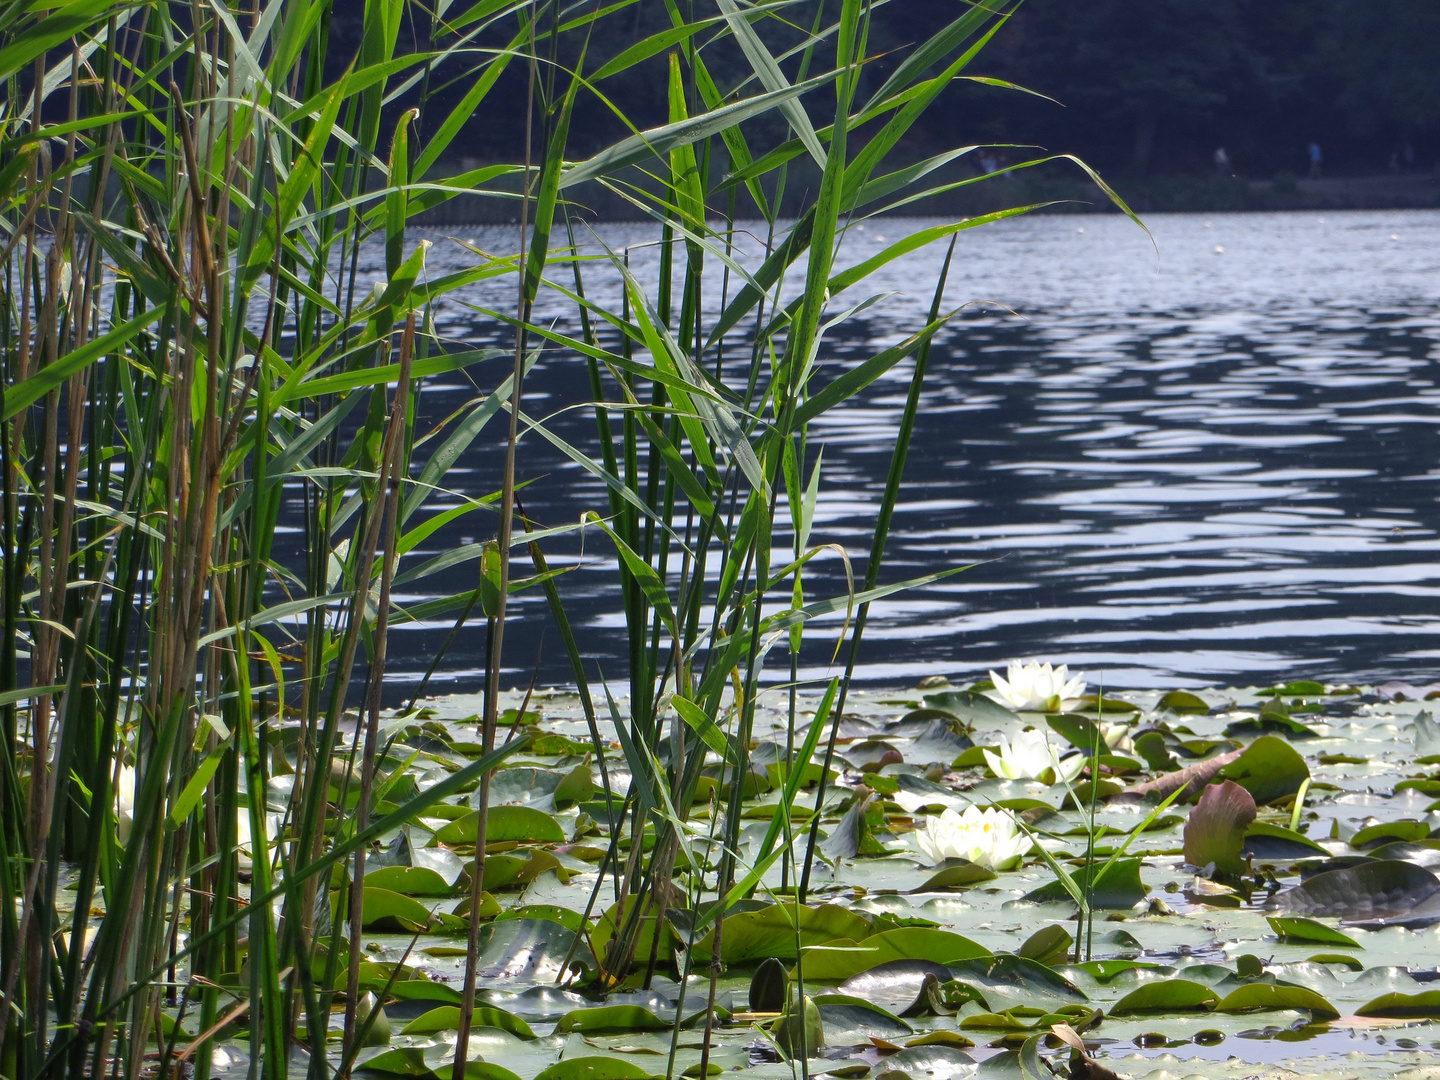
[{"x": 1058, "y": 194}]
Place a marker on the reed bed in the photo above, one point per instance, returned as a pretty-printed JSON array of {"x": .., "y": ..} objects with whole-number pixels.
[{"x": 196, "y": 759}]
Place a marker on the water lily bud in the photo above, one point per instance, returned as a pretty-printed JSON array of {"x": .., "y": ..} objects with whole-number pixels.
[
  {"x": 800, "y": 1031},
  {"x": 768, "y": 987},
  {"x": 379, "y": 1031}
]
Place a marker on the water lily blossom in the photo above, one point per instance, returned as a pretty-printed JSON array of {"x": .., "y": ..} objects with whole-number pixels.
[
  {"x": 1037, "y": 687},
  {"x": 985, "y": 837},
  {"x": 1031, "y": 757}
]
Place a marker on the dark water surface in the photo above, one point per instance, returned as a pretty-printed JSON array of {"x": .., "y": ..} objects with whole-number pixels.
[{"x": 1212, "y": 463}]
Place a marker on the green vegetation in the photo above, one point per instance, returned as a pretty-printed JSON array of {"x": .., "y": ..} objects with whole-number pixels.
[
  {"x": 196, "y": 764},
  {"x": 220, "y": 854}
]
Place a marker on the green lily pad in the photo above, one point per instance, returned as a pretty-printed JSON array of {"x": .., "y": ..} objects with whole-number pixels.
[
  {"x": 1404, "y": 1006},
  {"x": 1182, "y": 701},
  {"x": 408, "y": 880},
  {"x": 447, "y": 1018},
  {"x": 1264, "y": 840},
  {"x": 841, "y": 960},
  {"x": 1049, "y": 945},
  {"x": 610, "y": 1018},
  {"x": 1263, "y": 996},
  {"x": 1390, "y": 830},
  {"x": 383, "y": 909},
  {"x": 896, "y": 985},
  {"x": 594, "y": 1067},
  {"x": 774, "y": 929},
  {"x": 1169, "y": 996},
  {"x": 956, "y": 874},
  {"x": 1297, "y": 929},
  {"x": 1117, "y": 888},
  {"x": 971, "y": 706},
  {"x": 1270, "y": 769},
  {"x": 524, "y": 824}
]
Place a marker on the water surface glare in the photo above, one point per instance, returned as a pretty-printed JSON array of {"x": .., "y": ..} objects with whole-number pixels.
[{"x": 1208, "y": 460}]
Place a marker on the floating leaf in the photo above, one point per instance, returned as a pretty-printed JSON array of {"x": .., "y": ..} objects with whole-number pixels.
[
  {"x": 971, "y": 706},
  {"x": 1048, "y": 945},
  {"x": 774, "y": 929},
  {"x": 528, "y": 951},
  {"x": 896, "y": 985},
  {"x": 1215, "y": 832},
  {"x": 447, "y": 1018},
  {"x": 1182, "y": 701},
  {"x": 841, "y": 1012},
  {"x": 1118, "y": 887},
  {"x": 1264, "y": 996},
  {"x": 1299, "y": 929},
  {"x": 1169, "y": 996},
  {"x": 1424, "y": 1005},
  {"x": 1151, "y": 746},
  {"x": 834, "y": 964},
  {"x": 801, "y": 1030},
  {"x": 956, "y": 874},
  {"x": 523, "y": 824},
  {"x": 593, "y": 1068},
  {"x": 383, "y": 909},
  {"x": 1375, "y": 889},
  {"x": 608, "y": 1019},
  {"x": 1390, "y": 830},
  {"x": 1007, "y": 980},
  {"x": 1266, "y": 841},
  {"x": 408, "y": 880},
  {"x": 1269, "y": 769}
]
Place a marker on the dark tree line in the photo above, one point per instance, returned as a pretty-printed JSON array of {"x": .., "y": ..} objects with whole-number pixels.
[{"x": 1139, "y": 86}]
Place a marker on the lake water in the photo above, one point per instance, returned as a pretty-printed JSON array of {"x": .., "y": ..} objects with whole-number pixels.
[{"x": 1209, "y": 459}]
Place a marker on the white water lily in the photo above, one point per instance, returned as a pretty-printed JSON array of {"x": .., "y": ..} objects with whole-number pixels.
[
  {"x": 125, "y": 819},
  {"x": 1031, "y": 757},
  {"x": 1037, "y": 687},
  {"x": 985, "y": 837},
  {"x": 124, "y": 803}
]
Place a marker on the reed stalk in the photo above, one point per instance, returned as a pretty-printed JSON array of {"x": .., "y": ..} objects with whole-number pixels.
[{"x": 192, "y": 669}]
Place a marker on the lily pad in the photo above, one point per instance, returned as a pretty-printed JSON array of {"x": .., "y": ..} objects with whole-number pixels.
[
  {"x": 895, "y": 985},
  {"x": 1118, "y": 887},
  {"x": 605, "y": 1019},
  {"x": 1298, "y": 929},
  {"x": 593, "y": 1068},
  {"x": 447, "y": 1018},
  {"x": 1263, "y": 996},
  {"x": 956, "y": 874},
  {"x": 524, "y": 824},
  {"x": 773, "y": 930},
  {"x": 1215, "y": 832},
  {"x": 838, "y": 961},
  {"x": 1264, "y": 840},
  {"x": 528, "y": 951},
  {"x": 1424, "y": 1005},
  {"x": 1169, "y": 996},
  {"x": 1377, "y": 889},
  {"x": 1182, "y": 701},
  {"x": 1270, "y": 769}
]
